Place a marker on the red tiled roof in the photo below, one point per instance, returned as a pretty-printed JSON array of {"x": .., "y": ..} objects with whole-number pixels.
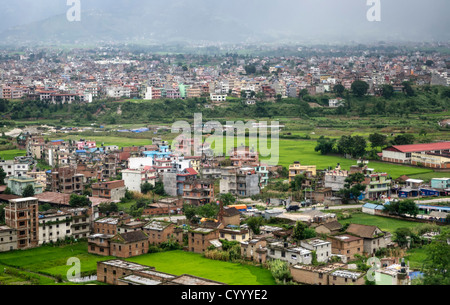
[{"x": 422, "y": 147}]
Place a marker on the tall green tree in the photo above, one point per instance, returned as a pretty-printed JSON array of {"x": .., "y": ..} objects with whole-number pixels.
[
  {"x": 2, "y": 176},
  {"x": 28, "y": 191},
  {"x": 377, "y": 140},
  {"x": 360, "y": 88},
  {"x": 436, "y": 267}
]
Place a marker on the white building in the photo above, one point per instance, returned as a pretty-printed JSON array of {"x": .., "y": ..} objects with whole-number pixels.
[
  {"x": 140, "y": 163},
  {"x": 321, "y": 247},
  {"x": 134, "y": 178},
  {"x": 297, "y": 255},
  {"x": 218, "y": 97},
  {"x": 54, "y": 227},
  {"x": 11, "y": 168}
]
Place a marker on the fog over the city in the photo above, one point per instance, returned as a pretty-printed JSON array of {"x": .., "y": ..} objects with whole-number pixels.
[{"x": 153, "y": 21}]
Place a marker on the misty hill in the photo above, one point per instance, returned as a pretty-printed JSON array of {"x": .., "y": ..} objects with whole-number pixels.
[{"x": 235, "y": 21}]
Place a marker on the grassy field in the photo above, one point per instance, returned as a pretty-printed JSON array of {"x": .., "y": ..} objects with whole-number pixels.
[
  {"x": 303, "y": 151},
  {"x": 10, "y": 154},
  {"x": 52, "y": 261},
  {"x": 384, "y": 223},
  {"x": 179, "y": 262},
  {"x": 416, "y": 257}
]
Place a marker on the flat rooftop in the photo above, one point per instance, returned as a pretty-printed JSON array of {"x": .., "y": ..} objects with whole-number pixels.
[
  {"x": 139, "y": 280},
  {"x": 125, "y": 265}
]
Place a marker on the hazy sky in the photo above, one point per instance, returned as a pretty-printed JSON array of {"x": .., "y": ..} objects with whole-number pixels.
[{"x": 321, "y": 20}]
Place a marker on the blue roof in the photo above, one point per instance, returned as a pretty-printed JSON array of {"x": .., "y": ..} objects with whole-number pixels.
[
  {"x": 80, "y": 151},
  {"x": 444, "y": 208},
  {"x": 54, "y": 141},
  {"x": 373, "y": 206}
]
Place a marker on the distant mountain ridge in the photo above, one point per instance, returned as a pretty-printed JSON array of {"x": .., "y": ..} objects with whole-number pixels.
[{"x": 232, "y": 21}]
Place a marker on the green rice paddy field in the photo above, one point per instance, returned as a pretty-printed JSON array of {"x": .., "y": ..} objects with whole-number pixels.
[
  {"x": 180, "y": 262},
  {"x": 42, "y": 265}
]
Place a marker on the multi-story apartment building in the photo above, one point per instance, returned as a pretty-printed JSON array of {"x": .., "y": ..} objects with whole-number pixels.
[
  {"x": 67, "y": 180},
  {"x": 298, "y": 169},
  {"x": 111, "y": 190},
  {"x": 22, "y": 215},
  {"x": 54, "y": 226},
  {"x": 8, "y": 239},
  {"x": 239, "y": 181}
]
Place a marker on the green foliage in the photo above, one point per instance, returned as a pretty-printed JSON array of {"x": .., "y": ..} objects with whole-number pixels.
[
  {"x": 403, "y": 207},
  {"x": 254, "y": 223},
  {"x": 437, "y": 264},
  {"x": 2, "y": 176},
  {"x": 302, "y": 231},
  {"x": 28, "y": 191},
  {"x": 146, "y": 187},
  {"x": 297, "y": 183},
  {"x": 106, "y": 208},
  {"x": 377, "y": 140},
  {"x": 354, "y": 146},
  {"x": 79, "y": 201},
  {"x": 403, "y": 139},
  {"x": 360, "y": 88},
  {"x": 280, "y": 271},
  {"x": 227, "y": 199},
  {"x": 325, "y": 145}
]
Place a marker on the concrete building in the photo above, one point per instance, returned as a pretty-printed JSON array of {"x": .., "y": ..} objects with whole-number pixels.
[
  {"x": 298, "y": 169},
  {"x": 346, "y": 245},
  {"x": 134, "y": 178},
  {"x": 8, "y": 239},
  {"x": 374, "y": 238},
  {"x": 120, "y": 272},
  {"x": 242, "y": 182},
  {"x": 111, "y": 190},
  {"x": 403, "y": 153},
  {"x": 54, "y": 226},
  {"x": 254, "y": 250},
  {"x": 333, "y": 274},
  {"x": 17, "y": 184},
  {"x": 22, "y": 215},
  {"x": 66, "y": 180},
  {"x": 321, "y": 247},
  {"x": 291, "y": 254}
]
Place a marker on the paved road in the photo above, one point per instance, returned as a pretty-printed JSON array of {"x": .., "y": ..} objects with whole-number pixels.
[{"x": 431, "y": 201}]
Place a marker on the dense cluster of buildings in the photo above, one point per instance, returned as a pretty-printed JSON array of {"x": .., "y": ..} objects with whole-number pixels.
[{"x": 66, "y": 78}]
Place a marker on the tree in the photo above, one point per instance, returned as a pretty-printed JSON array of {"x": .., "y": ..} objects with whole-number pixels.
[
  {"x": 2, "y": 214},
  {"x": 325, "y": 145},
  {"x": 8, "y": 191},
  {"x": 159, "y": 189},
  {"x": 250, "y": 69},
  {"x": 302, "y": 231},
  {"x": 401, "y": 236},
  {"x": 208, "y": 210},
  {"x": 436, "y": 266},
  {"x": 2, "y": 176},
  {"x": 353, "y": 187},
  {"x": 189, "y": 211},
  {"x": 407, "y": 89},
  {"x": 106, "y": 208},
  {"x": 146, "y": 187},
  {"x": 339, "y": 90},
  {"x": 377, "y": 140},
  {"x": 28, "y": 191},
  {"x": 227, "y": 199},
  {"x": 360, "y": 88},
  {"x": 77, "y": 201},
  {"x": 297, "y": 183},
  {"x": 254, "y": 223},
  {"x": 387, "y": 91},
  {"x": 403, "y": 139},
  {"x": 354, "y": 146},
  {"x": 280, "y": 270}
]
